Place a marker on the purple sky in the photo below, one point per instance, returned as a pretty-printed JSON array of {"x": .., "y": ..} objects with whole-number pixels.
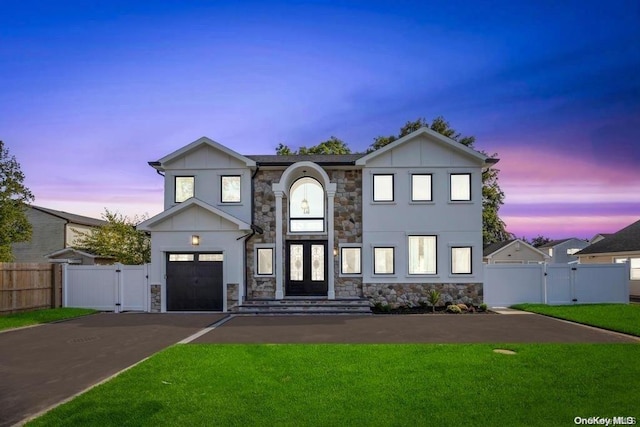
[{"x": 90, "y": 94}]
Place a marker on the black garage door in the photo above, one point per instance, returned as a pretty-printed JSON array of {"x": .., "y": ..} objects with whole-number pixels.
[{"x": 194, "y": 282}]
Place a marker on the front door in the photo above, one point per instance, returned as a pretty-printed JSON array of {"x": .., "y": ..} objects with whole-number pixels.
[{"x": 306, "y": 268}]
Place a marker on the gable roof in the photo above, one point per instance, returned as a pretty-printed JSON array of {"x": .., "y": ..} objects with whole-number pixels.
[
  {"x": 73, "y": 251},
  {"x": 490, "y": 250},
  {"x": 553, "y": 243},
  {"x": 320, "y": 159},
  {"x": 434, "y": 136},
  {"x": 69, "y": 217},
  {"x": 159, "y": 165},
  {"x": 625, "y": 240},
  {"x": 146, "y": 225}
]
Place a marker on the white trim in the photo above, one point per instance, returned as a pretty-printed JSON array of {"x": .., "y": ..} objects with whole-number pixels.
[
  {"x": 200, "y": 142},
  {"x": 429, "y": 133},
  {"x": 174, "y": 210}
]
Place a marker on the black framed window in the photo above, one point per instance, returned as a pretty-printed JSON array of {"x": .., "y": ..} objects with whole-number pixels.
[
  {"x": 423, "y": 254},
  {"x": 351, "y": 260},
  {"x": 264, "y": 264},
  {"x": 460, "y": 187},
  {"x": 384, "y": 260},
  {"x": 461, "y": 260},
  {"x": 306, "y": 206},
  {"x": 184, "y": 188},
  {"x": 421, "y": 187},
  {"x": 383, "y": 188},
  {"x": 230, "y": 188}
]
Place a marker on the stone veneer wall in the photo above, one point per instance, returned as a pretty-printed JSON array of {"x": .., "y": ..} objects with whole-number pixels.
[
  {"x": 232, "y": 296},
  {"x": 347, "y": 228},
  {"x": 411, "y": 294},
  {"x": 156, "y": 299},
  {"x": 347, "y": 223}
]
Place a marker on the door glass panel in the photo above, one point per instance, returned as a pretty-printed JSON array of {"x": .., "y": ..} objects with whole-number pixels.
[
  {"x": 295, "y": 262},
  {"x": 317, "y": 262}
]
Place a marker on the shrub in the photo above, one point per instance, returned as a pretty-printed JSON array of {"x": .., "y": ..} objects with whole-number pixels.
[
  {"x": 463, "y": 307},
  {"x": 433, "y": 298},
  {"x": 384, "y": 308},
  {"x": 483, "y": 307},
  {"x": 454, "y": 309}
]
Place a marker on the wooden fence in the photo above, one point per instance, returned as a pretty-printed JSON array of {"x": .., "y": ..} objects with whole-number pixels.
[{"x": 29, "y": 286}]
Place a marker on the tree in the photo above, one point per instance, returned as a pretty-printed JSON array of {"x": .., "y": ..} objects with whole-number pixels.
[
  {"x": 14, "y": 199},
  {"x": 332, "y": 145},
  {"x": 119, "y": 239},
  {"x": 539, "y": 240}
]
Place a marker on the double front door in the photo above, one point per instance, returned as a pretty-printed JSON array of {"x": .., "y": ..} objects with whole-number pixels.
[{"x": 306, "y": 268}]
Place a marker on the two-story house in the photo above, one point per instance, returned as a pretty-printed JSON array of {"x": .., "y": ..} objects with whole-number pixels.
[{"x": 384, "y": 227}]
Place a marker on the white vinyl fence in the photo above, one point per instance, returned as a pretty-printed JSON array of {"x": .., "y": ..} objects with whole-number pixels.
[
  {"x": 106, "y": 287},
  {"x": 507, "y": 284}
]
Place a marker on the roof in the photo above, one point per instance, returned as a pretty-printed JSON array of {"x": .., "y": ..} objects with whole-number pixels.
[
  {"x": 491, "y": 249},
  {"x": 148, "y": 224},
  {"x": 553, "y": 243},
  {"x": 625, "y": 240},
  {"x": 320, "y": 159},
  {"x": 159, "y": 165},
  {"x": 73, "y": 251},
  {"x": 76, "y": 219}
]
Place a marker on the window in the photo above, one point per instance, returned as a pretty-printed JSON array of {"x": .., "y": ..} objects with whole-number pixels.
[
  {"x": 572, "y": 251},
  {"x": 306, "y": 206},
  {"x": 350, "y": 260},
  {"x": 181, "y": 257},
  {"x": 265, "y": 261},
  {"x": 230, "y": 192},
  {"x": 421, "y": 188},
  {"x": 550, "y": 251},
  {"x": 210, "y": 257},
  {"x": 383, "y": 260},
  {"x": 460, "y": 187},
  {"x": 461, "y": 260},
  {"x": 383, "y": 188},
  {"x": 634, "y": 266},
  {"x": 185, "y": 188},
  {"x": 422, "y": 254}
]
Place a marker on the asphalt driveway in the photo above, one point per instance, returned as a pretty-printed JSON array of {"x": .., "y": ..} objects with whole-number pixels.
[
  {"x": 427, "y": 328},
  {"x": 44, "y": 365}
]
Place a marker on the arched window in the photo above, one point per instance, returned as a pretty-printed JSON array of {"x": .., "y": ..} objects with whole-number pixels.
[{"x": 306, "y": 206}]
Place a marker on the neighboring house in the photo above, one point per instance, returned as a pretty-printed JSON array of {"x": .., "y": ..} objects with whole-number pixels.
[
  {"x": 52, "y": 231},
  {"x": 563, "y": 251},
  {"x": 598, "y": 237},
  {"x": 76, "y": 256},
  {"x": 514, "y": 251},
  {"x": 384, "y": 227},
  {"x": 620, "y": 247}
]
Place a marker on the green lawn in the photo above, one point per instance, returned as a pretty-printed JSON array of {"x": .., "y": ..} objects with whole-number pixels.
[
  {"x": 616, "y": 317},
  {"x": 41, "y": 316},
  {"x": 340, "y": 384}
]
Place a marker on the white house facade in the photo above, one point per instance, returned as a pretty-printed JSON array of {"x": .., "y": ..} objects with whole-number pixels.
[{"x": 381, "y": 228}]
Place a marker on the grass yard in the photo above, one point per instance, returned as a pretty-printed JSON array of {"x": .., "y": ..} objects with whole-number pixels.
[
  {"x": 341, "y": 384},
  {"x": 41, "y": 316},
  {"x": 616, "y": 317}
]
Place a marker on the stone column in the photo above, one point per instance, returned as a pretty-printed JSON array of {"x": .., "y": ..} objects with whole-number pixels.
[
  {"x": 331, "y": 192},
  {"x": 278, "y": 269}
]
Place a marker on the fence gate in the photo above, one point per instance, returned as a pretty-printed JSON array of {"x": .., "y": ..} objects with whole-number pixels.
[
  {"x": 106, "y": 287},
  {"x": 508, "y": 284}
]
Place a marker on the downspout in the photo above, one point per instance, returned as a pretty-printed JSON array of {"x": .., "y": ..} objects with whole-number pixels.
[{"x": 254, "y": 229}]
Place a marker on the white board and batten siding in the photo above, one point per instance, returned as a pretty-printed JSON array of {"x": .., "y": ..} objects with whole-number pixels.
[
  {"x": 556, "y": 284},
  {"x": 107, "y": 287}
]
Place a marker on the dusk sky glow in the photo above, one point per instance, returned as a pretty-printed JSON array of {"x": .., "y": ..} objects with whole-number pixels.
[{"x": 90, "y": 93}]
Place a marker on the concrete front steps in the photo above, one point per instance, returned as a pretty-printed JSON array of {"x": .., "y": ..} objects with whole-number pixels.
[{"x": 305, "y": 306}]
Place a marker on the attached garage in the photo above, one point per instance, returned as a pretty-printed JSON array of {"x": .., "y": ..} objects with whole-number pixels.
[{"x": 195, "y": 282}]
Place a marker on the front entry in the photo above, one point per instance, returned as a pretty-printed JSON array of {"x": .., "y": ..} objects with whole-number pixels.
[
  {"x": 306, "y": 268},
  {"x": 194, "y": 282}
]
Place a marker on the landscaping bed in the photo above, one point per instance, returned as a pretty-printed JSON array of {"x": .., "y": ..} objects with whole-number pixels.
[{"x": 426, "y": 309}]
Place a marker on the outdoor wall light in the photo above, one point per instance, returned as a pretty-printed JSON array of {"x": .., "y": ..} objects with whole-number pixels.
[
  {"x": 195, "y": 240},
  {"x": 335, "y": 252}
]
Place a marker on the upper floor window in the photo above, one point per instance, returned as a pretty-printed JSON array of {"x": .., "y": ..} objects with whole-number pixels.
[
  {"x": 230, "y": 189},
  {"x": 460, "y": 187},
  {"x": 383, "y": 188},
  {"x": 421, "y": 188},
  {"x": 184, "y": 188},
  {"x": 306, "y": 206}
]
